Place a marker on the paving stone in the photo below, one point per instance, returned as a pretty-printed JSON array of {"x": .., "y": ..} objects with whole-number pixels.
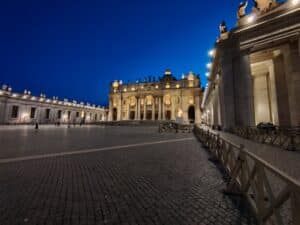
[{"x": 166, "y": 184}]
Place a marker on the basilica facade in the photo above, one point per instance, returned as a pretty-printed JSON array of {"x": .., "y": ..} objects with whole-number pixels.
[
  {"x": 165, "y": 99},
  {"x": 254, "y": 75}
]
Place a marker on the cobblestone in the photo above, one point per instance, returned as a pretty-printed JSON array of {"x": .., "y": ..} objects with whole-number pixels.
[{"x": 167, "y": 184}]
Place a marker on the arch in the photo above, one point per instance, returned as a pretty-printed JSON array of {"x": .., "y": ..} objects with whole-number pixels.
[
  {"x": 191, "y": 114},
  {"x": 115, "y": 114}
]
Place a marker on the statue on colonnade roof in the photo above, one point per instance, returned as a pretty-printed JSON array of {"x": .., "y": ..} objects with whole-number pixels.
[{"x": 242, "y": 9}]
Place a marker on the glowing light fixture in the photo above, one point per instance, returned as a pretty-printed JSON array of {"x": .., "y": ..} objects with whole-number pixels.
[
  {"x": 207, "y": 74},
  {"x": 208, "y": 65},
  {"x": 251, "y": 18},
  {"x": 295, "y": 2},
  {"x": 177, "y": 86},
  {"x": 211, "y": 53}
]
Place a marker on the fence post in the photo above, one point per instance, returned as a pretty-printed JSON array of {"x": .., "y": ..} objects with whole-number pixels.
[
  {"x": 291, "y": 146},
  {"x": 295, "y": 202}
]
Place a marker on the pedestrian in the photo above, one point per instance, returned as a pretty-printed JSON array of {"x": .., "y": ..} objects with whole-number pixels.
[{"x": 36, "y": 126}]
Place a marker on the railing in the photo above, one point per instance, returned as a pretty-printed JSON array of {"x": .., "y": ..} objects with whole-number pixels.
[
  {"x": 273, "y": 195},
  {"x": 175, "y": 127},
  {"x": 285, "y": 137}
]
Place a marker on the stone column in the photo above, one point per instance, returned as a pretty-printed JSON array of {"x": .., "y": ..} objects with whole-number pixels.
[
  {"x": 128, "y": 110},
  {"x": 136, "y": 109},
  {"x": 243, "y": 88},
  {"x": 153, "y": 109},
  {"x": 144, "y": 118},
  {"x": 197, "y": 109},
  {"x": 139, "y": 108},
  {"x": 292, "y": 71},
  {"x": 173, "y": 116},
  {"x": 163, "y": 109},
  {"x": 159, "y": 108}
]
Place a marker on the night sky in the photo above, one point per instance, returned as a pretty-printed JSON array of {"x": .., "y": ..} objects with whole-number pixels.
[{"x": 74, "y": 49}]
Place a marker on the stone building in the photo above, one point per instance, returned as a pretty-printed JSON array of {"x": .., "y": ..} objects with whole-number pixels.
[
  {"x": 255, "y": 71},
  {"x": 165, "y": 99},
  {"x": 16, "y": 108}
]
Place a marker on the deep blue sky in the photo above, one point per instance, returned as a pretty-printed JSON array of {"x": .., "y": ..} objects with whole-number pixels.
[{"x": 74, "y": 49}]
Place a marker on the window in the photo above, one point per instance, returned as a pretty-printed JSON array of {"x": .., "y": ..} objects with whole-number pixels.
[
  {"x": 32, "y": 113},
  {"x": 96, "y": 116},
  {"x": 15, "y": 111},
  {"x": 69, "y": 115},
  {"x": 77, "y": 114},
  {"x": 59, "y": 114},
  {"x": 47, "y": 113}
]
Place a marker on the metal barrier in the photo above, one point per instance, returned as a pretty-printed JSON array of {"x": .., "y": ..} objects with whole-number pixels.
[
  {"x": 286, "y": 137},
  {"x": 273, "y": 195},
  {"x": 175, "y": 127}
]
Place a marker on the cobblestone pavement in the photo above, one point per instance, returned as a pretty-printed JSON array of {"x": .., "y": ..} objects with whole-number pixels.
[
  {"x": 169, "y": 183},
  {"x": 287, "y": 161}
]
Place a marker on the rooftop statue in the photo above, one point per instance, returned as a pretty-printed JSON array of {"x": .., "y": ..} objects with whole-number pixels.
[
  {"x": 264, "y": 5},
  {"x": 242, "y": 9},
  {"x": 223, "y": 27}
]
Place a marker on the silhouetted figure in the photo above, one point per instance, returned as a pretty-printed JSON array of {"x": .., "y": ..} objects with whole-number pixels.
[{"x": 36, "y": 126}]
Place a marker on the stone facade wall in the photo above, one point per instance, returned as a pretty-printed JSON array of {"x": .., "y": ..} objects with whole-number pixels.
[
  {"x": 26, "y": 109},
  {"x": 256, "y": 69}
]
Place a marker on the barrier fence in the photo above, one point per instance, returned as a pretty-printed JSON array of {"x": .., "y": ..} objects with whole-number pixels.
[
  {"x": 273, "y": 196},
  {"x": 286, "y": 137}
]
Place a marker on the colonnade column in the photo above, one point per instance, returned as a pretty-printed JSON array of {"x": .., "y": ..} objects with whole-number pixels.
[
  {"x": 173, "y": 116},
  {"x": 139, "y": 109},
  {"x": 153, "y": 109},
  {"x": 136, "y": 109},
  {"x": 128, "y": 111},
  {"x": 163, "y": 109},
  {"x": 144, "y": 118},
  {"x": 159, "y": 108}
]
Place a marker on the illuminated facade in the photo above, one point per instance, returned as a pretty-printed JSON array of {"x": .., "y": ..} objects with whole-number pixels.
[
  {"x": 16, "y": 108},
  {"x": 166, "y": 99},
  {"x": 255, "y": 72}
]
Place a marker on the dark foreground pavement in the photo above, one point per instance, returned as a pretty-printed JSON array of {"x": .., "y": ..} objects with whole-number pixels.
[{"x": 170, "y": 183}]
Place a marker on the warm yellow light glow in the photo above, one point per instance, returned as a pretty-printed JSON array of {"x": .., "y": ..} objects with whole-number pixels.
[
  {"x": 149, "y": 100},
  {"x": 156, "y": 86},
  {"x": 167, "y": 85},
  {"x": 191, "y": 100},
  {"x": 133, "y": 89},
  {"x": 25, "y": 115},
  {"x": 125, "y": 89},
  {"x": 177, "y": 86},
  {"x": 180, "y": 112},
  {"x": 295, "y": 2},
  {"x": 250, "y": 18},
  {"x": 167, "y": 100},
  {"x": 132, "y": 101},
  {"x": 115, "y": 84},
  {"x": 1, "y": 92}
]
